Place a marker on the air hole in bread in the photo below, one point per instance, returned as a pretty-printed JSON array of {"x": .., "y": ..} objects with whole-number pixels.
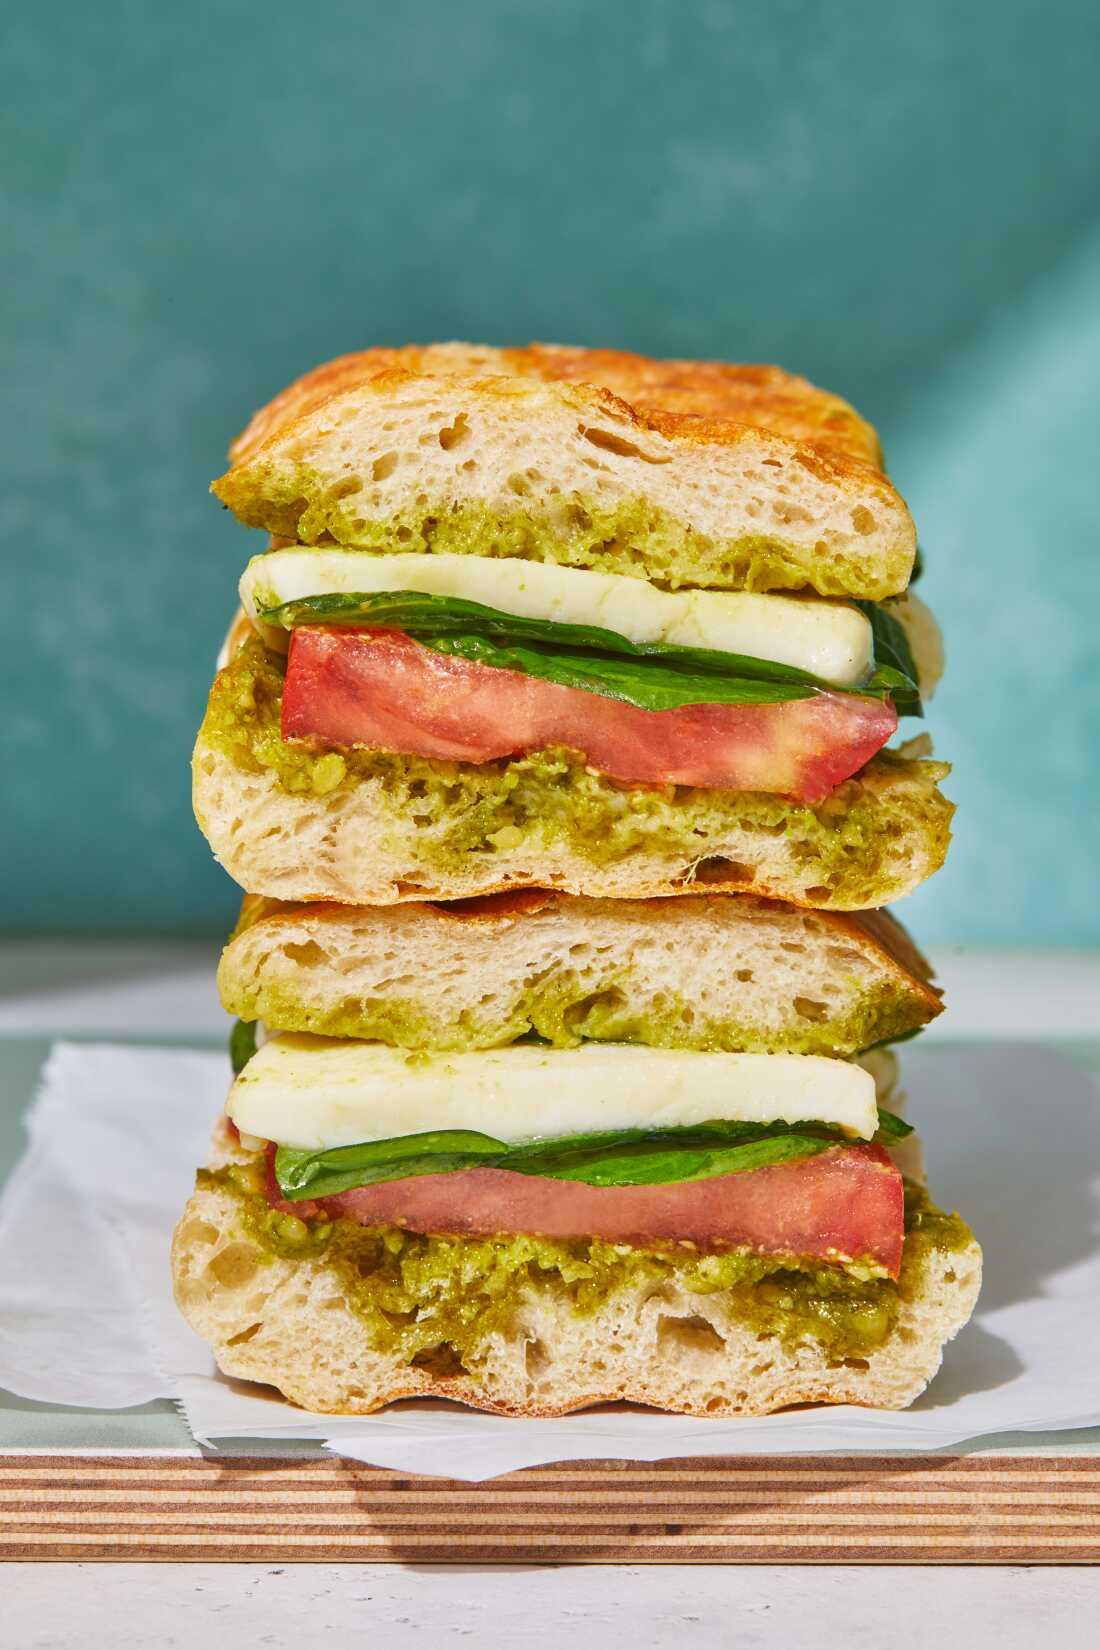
[
  {"x": 518, "y": 485},
  {"x": 535, "y": 1360},
  {"x": 384, "y": 465},
  {"x": 745, "y": 975},
  {"x": 692, "y": 1334},
  {"x": 807, "y": 1009},
  {"x": 235, "y": 1265},
  {"x": 723, "y": 870},
  {"x": 453, "y": 435},
  {"x": 307, "y": 952},
  {"x": 792, "y": 945},
  {"x": 610, "y": 1001},
  {"x": 789, "y": 514},
  {"x": 841, "y": 954},
  {"x": 609, "y": 442},
  {"x": 441, "y": 1362},
  {"x": 862, "y": 519},
  {"x": 245, "y": 1335},
  {"x": 345, "y": 488}
]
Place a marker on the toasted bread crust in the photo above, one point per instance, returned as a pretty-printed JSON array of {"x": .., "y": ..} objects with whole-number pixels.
[{"x": 698, "y": 400}]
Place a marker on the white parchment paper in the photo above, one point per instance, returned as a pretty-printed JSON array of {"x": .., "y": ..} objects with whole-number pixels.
[{"x": 1012, "y": 1137}]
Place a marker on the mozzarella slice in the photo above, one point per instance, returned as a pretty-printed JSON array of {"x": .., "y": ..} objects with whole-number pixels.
[
  {"x": 830, "y": 639},
  {"x": 317, "y": 1092}
]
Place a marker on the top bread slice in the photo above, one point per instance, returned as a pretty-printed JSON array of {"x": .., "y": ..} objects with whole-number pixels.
[
  {"x": 695, "y": 473},
  {"x": 712, "y": 972}
]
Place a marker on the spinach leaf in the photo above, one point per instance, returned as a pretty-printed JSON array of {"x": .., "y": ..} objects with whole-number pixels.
[
  {"x": 894, "y": 667},
  {"x": 312, "y": 1173},
  {"x": 242, "y": 1045},
  {"x": 615, "y": 1157},
  {"x": 648, "y": 675}
]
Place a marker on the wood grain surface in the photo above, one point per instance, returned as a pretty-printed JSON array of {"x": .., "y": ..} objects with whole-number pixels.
[{"x": 764, "y": 1510}]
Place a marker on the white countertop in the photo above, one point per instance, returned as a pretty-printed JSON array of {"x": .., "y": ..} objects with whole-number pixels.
[
  {"x": 164, "y": 988},
  {"x": 614, "y": 1607}
]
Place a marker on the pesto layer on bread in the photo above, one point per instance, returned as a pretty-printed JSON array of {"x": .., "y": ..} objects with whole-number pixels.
[{"x": 296, "y": 821}]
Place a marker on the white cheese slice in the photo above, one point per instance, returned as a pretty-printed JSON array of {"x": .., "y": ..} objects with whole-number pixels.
[
  {"x": 318, "y": 1092},
  {"x": 830, "y": 639}
]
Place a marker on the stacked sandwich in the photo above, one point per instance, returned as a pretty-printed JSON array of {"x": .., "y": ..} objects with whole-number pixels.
[{"x": 550, "y": 748}]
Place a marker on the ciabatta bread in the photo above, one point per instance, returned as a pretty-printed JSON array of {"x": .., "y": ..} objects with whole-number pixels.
[
  {"x": 405, "y": 828},
  {"x": 729, "y": 972},
  {"x": 684, "y": 472},
  {"x": 290, "y": 1322}
]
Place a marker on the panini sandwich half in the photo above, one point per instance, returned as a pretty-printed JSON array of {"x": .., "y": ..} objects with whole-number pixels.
[
  {"x": 565, "y": 1151},
  {"x": 569, "y": 619}
]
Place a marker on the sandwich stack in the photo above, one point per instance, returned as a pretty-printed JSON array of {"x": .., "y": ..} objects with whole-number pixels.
[{"x": 550, "y": 747}]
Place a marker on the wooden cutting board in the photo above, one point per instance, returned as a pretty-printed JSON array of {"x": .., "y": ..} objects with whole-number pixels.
[{"x": 986, "y": 1509}]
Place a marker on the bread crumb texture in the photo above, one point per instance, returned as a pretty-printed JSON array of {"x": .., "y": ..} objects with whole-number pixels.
[{"x": 729, "y": 973}]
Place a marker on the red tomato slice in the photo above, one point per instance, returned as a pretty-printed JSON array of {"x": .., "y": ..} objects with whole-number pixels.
[
  {"x": 381, "y": 690},
  {"x": 844, "y": 1204}
]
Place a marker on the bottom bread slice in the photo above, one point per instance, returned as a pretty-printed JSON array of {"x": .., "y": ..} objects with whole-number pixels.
[{"x": 541, "y": 1346}]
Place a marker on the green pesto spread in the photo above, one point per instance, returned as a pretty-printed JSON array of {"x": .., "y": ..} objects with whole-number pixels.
[
  {"x": 633, "y": 536},
  {"x": 428, "y": 1298},
  {"x": 461, "y": 809},
  {"x": 565, "y": 1010}
]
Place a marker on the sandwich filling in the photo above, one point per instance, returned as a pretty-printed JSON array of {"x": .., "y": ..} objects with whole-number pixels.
[
  {"x": 433, "y": 1299},
  {"x": 319, "y": 1094},
  {"x": 739, "y": 692},
  {"x": 621, "y": 1143},
  {"x": 831, "y": 640},
  {"x": 381, "y": 690}
]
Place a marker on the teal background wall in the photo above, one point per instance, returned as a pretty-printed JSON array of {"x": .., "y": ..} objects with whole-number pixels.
[{"x": 201, "y": 201}]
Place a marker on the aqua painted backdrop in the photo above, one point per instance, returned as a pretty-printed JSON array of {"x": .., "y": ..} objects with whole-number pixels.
[{"x": 201, "y": 201}]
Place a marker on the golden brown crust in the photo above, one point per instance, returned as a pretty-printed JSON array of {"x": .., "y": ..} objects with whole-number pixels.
[{"x": 693, "y": 400}]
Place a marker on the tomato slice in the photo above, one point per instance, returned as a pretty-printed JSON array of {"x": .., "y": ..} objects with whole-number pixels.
[
  {"x": 846, "y": 1203},
  {"x": 381, "y": 690}
]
